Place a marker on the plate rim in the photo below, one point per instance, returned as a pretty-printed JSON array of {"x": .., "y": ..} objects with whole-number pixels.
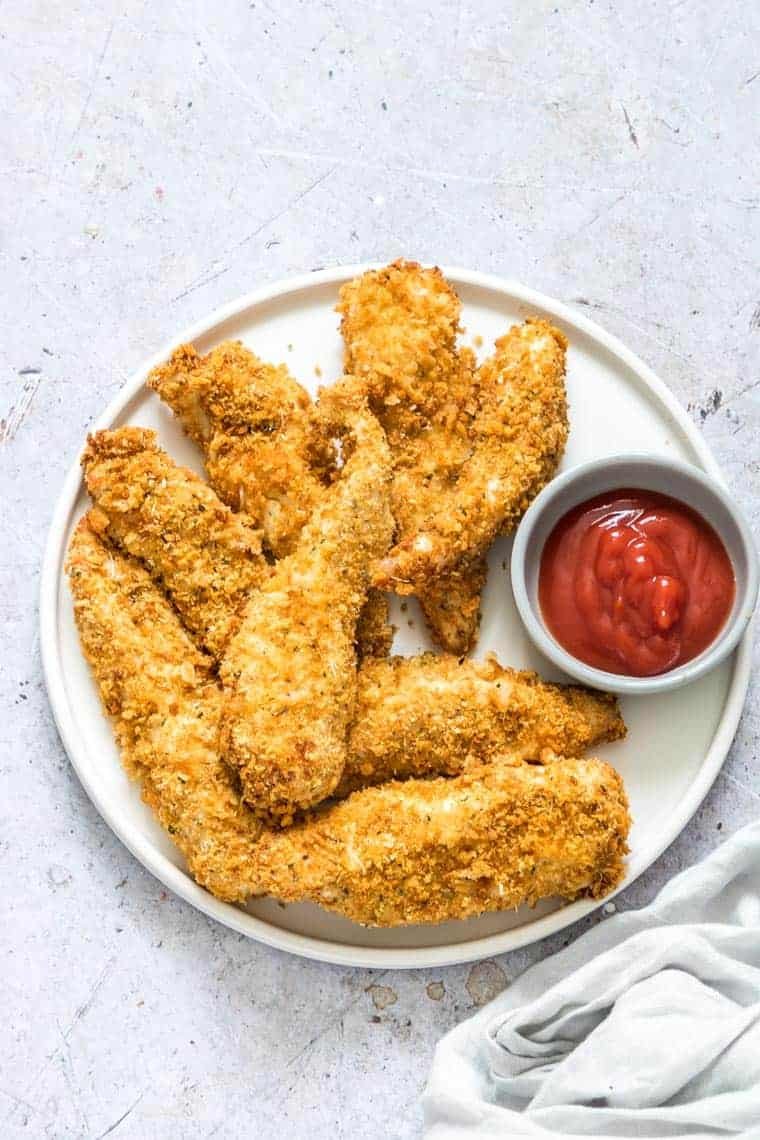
[{"x": 177, "y": 880}]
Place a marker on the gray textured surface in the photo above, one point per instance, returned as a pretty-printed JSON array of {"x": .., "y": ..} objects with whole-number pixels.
[{"x": 161, "y": 159}]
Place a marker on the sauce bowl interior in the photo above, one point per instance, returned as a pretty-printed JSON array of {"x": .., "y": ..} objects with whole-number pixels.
[{"x": 645, "y": 473}]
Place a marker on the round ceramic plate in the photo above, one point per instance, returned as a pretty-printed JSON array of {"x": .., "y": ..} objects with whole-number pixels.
[{"x": 676, "y": 742}]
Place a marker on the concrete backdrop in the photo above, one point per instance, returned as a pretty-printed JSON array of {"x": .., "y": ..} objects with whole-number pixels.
[{"x": 159, "y": 159}]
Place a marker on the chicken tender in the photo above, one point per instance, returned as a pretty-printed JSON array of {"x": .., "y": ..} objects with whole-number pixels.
[
  {"x": 420, "y": 851},
  {"x": 425, "y": 715},
  {"x": 206, "y": 557},
  {"x": 165, "y": 703},
  {"x": 374, "y": 632},
  {"x": 437, "y": 716},
  {"x": 264, "y": 451},
  {"x": 418, "y": 716},
  {"x": 451, "y": 605},
  {"x": 400, "y": 327},
  {"x": 290, "y": 670},
  {"x": 517, "y": 439},
  {"x": 434, "y": 850}
]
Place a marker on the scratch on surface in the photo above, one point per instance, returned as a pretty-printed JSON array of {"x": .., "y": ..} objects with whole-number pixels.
[
  {"x": 742, "y": 392},
  {"x": 95, "y": 77},
  {"x": 419, "y": 172},
  {"x": 754, "y": 321},
  {"x": 601, "y": 213},
  {"x": 122, "y": 1118},
  {"x": 535, "y": 185},
  {"x": 621, "y": 313},
  {"x": 331, "y": 1022},
  {"x": 79, "y": 1013},
  {"x": 587, "y": 304},
  {"x": 67, "y": 1070},
  {"x": 631, "y": 132},
  {"x": 203, "y": 278},
  {"x": 220, "y": 57},
  {"x": 718, "y": 40},
  {"x": 751, "y": 79},
  {"x": 53, "y": 299},
  {"x": 86, "y": 1005},
  {"x": 10, "y": 424}
]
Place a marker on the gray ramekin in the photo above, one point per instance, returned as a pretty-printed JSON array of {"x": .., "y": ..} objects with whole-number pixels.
[{"x": 644, "y": 472}]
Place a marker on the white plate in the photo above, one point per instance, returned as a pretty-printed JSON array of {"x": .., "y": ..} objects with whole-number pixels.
[{"x": 676, "y": 742}]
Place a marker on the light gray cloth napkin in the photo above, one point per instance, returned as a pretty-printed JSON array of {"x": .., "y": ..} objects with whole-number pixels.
[{"x": 647, "y": 1026}]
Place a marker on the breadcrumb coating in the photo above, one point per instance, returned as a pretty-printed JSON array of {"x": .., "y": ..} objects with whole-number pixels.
[
  {"x": 517, "y": 439},
  {"x": 159, "y": 689},
  {"x": 428, "y": 851},
  {"x": 264, "y": 454},
  {"x": 437, "y": 716},
  {"x": 400, "y": 327},
  {"x": 264, "y": 448},
  {"x": 418, "y": 851},
  {"x": 290, "y": 670},
  {"x": 451, "y": 605},
  {"x": 206, "y": 558},
  {"x": 374, "y": 632},
  {"x": 420, "y": 716}
]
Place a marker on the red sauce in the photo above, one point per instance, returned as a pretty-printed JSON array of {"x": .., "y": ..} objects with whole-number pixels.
[{"x": 634, "y": 582}]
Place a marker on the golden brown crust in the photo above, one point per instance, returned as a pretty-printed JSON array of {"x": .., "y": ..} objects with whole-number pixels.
[
  {"x": 451, "y": 605},
  {"x": 434, "y": 715},
  {"x": 290, "y": 670},
  {"x": 400, "y": 327},
  {"x": 469, "y": 450},
  {"x": 165, "y": 703},
  {"x": 420, "y": 851},
  {"x": 205, "y": 557},
  {"x": 517, "y": 438},
  {"x": 435, "y": 850},
  {"x": 421, "y": 716},
  {"x": 264, "y": 446},
  {"x": 374, "y": 632},
  {"x": 263, "y": 453}
]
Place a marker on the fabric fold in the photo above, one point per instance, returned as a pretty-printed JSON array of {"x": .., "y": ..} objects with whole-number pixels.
[{"x": 647, "y": 1026}]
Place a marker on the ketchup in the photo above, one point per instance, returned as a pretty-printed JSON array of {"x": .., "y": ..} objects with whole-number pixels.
[{"x": 634, "y": 582}]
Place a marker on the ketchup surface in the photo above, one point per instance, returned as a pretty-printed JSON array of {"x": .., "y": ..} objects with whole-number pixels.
[{"x": 634, "y": 582}]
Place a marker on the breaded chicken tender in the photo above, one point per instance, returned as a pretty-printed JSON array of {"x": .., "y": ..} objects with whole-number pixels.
[
  {"x": 420, "y": 851},
  {"x": 517, "y": 439},
  {"x": 428, "y": 715},
  {"x": 434, "y": 850},
  {"x": 400, "y": 327},
  {"x": 374, "y": 632},
  {"x": 206, "y": 558},
  {"x": 425, "y": 715},
  {"x": 264, "y": 452},
  {"x": 264, "y": 448},
  {"x": 165, "y": 705},
  {"x": 438, "y": 716},
  {"x": 451, "y": 605},
  {"x": 290, "y": 670}
]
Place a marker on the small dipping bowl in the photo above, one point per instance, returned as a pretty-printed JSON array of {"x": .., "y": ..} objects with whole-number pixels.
[{"x": 643, "y": 472}]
